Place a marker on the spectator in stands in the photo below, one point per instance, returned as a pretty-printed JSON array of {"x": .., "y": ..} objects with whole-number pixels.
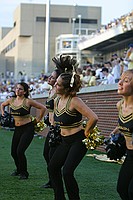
[
  {"x": 92, "y": 81},
  {"x": 129, "y": 56},
  {"x": 108, "y": 78},
  {"x": 86, "y": 78},
  {"x": 99, "y": 74},
  {"x": 114, "y": 56},
  {"x": 123, "y": 63},
  {"x": 116, "y": 70},
  {"x": 84, "y": 69},
  {"x": 79, "y": 72},
  {"x": 108, "y": 65}
]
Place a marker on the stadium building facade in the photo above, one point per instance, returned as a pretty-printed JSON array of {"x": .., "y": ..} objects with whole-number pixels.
[{"x": 23, "y": 45}]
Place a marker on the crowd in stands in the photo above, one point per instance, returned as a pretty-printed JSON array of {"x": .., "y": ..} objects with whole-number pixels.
[
  {"x": 125, "y": 21},
  {"x": 108, "y": 72}
]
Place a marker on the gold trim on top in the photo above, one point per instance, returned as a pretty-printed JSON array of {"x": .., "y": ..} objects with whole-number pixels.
[{"x": 23, "y": 105}]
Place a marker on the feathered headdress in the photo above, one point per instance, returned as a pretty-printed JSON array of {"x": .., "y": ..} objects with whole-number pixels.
[{"x": 66, "y": 64}]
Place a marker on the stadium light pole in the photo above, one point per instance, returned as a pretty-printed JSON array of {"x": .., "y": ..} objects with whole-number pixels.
[
  {"x": 79, "y": 16},
  {"x": 47, "y": 33},
  {"x": 79, "y": 52},
  {"x": 73, "y": 25}
]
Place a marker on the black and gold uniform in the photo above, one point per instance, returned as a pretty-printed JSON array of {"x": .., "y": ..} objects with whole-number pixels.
[
  {"x": 49, "y": 150},
  {"x": 22, "y": 138},
  {"x": 126, "y": 124},
  {"x": 65, "y": 117},
  {"x": 125, "y": 180},
  {"x": 21, "y": 110},
  {"x": 50, "y": 103},
  {"x": 69, "y": 153}
]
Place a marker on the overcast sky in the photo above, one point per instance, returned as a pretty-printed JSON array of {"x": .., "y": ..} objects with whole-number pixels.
[{"x": 110, "y": 8}]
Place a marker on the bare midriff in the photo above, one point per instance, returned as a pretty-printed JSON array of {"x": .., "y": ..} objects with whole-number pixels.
[
  {"x": 129, "y": 142},
  {"x": 19, "y": 121},
  {"x": 70, "y": 131}
]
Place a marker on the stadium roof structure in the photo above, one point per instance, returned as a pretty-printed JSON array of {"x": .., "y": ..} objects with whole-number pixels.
[{"x": 112, "y": 38}]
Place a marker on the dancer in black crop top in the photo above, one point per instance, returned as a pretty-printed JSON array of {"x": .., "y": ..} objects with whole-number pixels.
[
  {"x": 48, "y": 150},
  {"x": 24, "y": 129},
  {"x": 22, "y": 110},
  {"x": 68, "y": 111},
  {"x": 65, "y": 117},
  {"x": 125, "y": 125}
]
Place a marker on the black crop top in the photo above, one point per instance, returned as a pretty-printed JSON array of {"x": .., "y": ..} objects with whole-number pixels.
[
  {"x": 125, "y": 123},
  {"x": 65, "y": 117},
  {"x": 21, "y": 110},
  {"x": 50, "y": 103}
]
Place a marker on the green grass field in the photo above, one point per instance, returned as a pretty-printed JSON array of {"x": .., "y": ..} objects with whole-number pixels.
[{"x": 96, "y": 179}]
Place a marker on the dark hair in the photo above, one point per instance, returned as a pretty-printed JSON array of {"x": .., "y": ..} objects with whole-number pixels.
[
  {"x": 105, "y": 69},
  {"x": 65, "y": 63},
  {"x": 26, "y": 88},
  {"x": 93, "y": 72},
  {"x": 58, "y": 72},
  {"x": 66, "y": 80}
]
